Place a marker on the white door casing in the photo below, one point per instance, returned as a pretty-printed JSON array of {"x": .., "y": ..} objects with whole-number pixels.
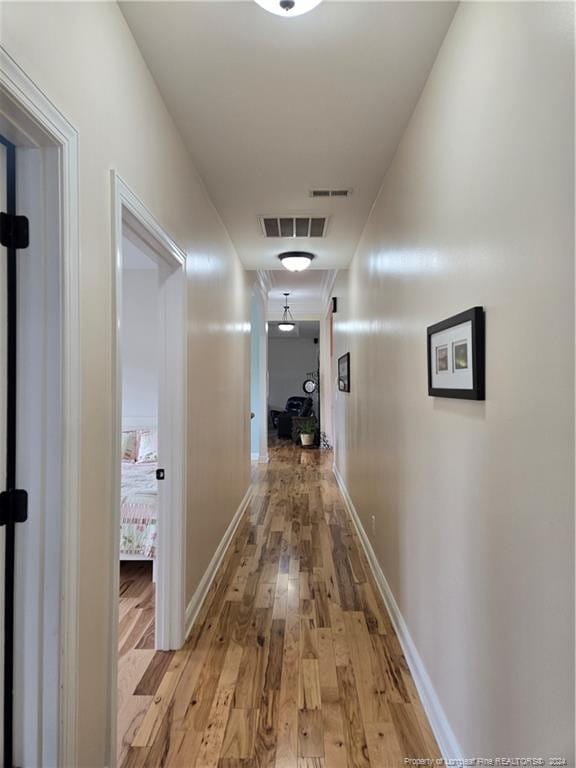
[
  {"x": 46, "y": 617},
  {"x": 129, "y": 213},
  {"x": 3, "y": 371}
]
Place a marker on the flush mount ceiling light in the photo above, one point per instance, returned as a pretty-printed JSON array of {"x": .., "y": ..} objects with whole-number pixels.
[
  {"x": 287, "y": 323},
  {"x": 288, "y": 8},
  {"x": 296, "y": 261}
]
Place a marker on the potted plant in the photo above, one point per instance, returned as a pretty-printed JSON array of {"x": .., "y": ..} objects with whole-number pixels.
[{"x": 307, "y": 432}]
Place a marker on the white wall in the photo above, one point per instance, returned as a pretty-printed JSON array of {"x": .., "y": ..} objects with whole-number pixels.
[
  {"x": 256, "y": 320},
  {"x": 140, "y": 343},
  {"x": 258, "y": 372},
  {"x": 327, "y": 380},
  {"x": 474, "y": 501},
  {"x": 83, "y": 57},
  {"x": 289, "y": 360}
]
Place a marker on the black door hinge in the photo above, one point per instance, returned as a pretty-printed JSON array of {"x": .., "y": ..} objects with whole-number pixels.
[
  {"x": 14, "y": 231},
  {"x": 13, "y": 506}
]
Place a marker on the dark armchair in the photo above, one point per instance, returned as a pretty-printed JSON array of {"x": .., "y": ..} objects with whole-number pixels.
[{"x": 295, "y": 406}]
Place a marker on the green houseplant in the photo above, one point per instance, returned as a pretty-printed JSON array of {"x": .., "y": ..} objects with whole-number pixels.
[{"x": 307, "y": 429}]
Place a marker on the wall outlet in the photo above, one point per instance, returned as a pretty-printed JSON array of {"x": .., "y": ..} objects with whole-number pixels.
[{"x": 373, "y": 523}]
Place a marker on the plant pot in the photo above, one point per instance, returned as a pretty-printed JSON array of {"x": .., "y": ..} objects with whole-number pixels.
[{"x": 307, "y": 440}]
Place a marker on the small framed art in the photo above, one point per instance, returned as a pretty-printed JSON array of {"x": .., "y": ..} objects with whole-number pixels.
[
  {"x": 456, "y": 356},
  {"x": 344, "y": 373}
]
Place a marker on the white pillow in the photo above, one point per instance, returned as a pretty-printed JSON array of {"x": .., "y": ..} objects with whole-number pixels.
[
  {"x": 129, "y": 446},
  {"x": 147, "y": 446}
]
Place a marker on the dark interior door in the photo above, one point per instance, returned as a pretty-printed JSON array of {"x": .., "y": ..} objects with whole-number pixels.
[
  {"x": 13, "y": 502},
  {"x": 3, "y": 410}
]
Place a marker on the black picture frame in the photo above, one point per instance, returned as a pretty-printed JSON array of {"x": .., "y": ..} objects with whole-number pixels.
[
  {"x": 478, "y": 391},
  {"x": 344, "y": 373}
]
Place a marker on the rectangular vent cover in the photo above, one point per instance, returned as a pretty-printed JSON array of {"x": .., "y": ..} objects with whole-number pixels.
[
  {"x": 330, "y": 192},
  {"x": 294, "y": 226}
]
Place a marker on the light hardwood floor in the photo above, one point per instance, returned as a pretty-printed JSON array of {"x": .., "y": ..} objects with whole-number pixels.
[{"x": 293, "y": 662}]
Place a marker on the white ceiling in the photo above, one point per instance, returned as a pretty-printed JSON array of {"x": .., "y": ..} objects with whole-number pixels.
[
  {"x": 273, "y": 107},
  {"x": 309, "y": 292}
]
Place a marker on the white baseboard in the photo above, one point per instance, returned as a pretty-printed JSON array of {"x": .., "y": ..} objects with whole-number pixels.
[
  {"x": 441, "y": 728},
  {"x": 254, "y": 457},
  {"x": 259, "y": 458},
  {"x": 199, "y": 595}
]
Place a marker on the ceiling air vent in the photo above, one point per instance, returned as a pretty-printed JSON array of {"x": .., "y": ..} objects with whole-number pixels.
[
  {"x": 294, "y": 226},
  {"x": 330, "y": 192}
]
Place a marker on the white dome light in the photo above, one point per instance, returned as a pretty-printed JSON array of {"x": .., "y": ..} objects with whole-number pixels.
[
  {"x": 296, "y": 261},
  {"x": 288, "y": 8},
  {"x": 287, "y": 323}
]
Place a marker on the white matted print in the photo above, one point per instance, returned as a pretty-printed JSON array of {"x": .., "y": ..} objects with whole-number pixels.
[{"x": 452, "y": 354}]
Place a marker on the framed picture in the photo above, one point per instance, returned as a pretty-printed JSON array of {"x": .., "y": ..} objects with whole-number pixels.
[
  {"x": 456, "y": 356},
  {"x": 344, "y": 373}
]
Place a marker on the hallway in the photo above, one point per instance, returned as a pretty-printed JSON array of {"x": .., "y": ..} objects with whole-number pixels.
[
  {"x": 368, "y": 209},
  {"x": 293, "y": 661}
]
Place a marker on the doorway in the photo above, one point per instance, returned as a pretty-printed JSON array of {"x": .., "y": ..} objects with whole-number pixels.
[
  {"x": 39, "y": 707},
  {"x": 294, "y": 373},
  {"x": 150, "y": 456}
]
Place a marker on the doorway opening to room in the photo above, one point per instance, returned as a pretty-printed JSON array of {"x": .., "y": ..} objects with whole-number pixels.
[
  {"x": 140, "y": 508},
  {"x": 294, "y": 404},
  {"x": 149, "y": 464},
  {"x": 258, "y": 375}
]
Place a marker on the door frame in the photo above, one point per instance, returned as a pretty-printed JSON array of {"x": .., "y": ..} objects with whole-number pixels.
[
  {"x": 29, "y": 119},
  {"x": 129, "y": 210},
  {"x": 259, "y": 347}
]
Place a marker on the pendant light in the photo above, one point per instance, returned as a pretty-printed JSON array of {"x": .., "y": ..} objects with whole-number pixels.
[
  {"x": 287, "y": 323},
  {"x": 288, "y": 8},
  {"x": 296, "y": 261}
]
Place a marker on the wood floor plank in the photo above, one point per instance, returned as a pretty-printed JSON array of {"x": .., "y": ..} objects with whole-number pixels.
[
  {"x": 240, "y": 737},
  {"x": 214, "y": 734},
  {"x": 273, "y": 675},
  {"x": 183, "y": 696},
  {"x": 327, "y": 665},
  {"x": 131, "y": 667},
  {"x": 361, "y": 654},
  {"x": 407, "y": 730},
  {"x": 339, "y": 636},
  {"x": 267, "y": 730},
  {"x": 335, "y": 750},
  {"x": 425, "y": 729},
  {"x": 251, "y": 678},
  {"x": 383, "y": 745},
  {"x": 161, "y": 702},
  {"x": 352, "y": 717},
  {"x": 287, "y": 739},
  {"x": 309, "y": 696},
  {"x": 130, "y": 716},
  {"x": 125, "y": 605},
  {"x": 310, "y": 733},
  {"x": 184, "y": 750},
  {"x": 154, "y": 673}
]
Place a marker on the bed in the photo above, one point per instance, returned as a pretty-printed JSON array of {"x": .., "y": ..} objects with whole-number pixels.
[{"x": 139, "y": 511}]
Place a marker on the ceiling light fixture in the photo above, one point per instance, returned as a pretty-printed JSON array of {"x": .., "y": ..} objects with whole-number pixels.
[
  {"x": 287, "y": 323},
  {"x": 296, "y": 261},
  {"x": 288, "y": 8}
]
